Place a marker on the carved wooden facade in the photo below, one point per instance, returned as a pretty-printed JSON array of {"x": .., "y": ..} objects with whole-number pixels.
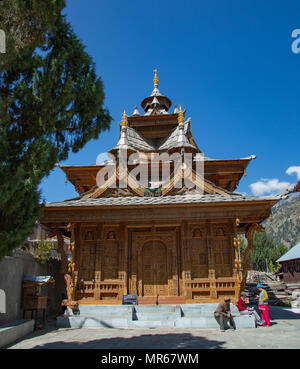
[{"x": 194, "y": 260}]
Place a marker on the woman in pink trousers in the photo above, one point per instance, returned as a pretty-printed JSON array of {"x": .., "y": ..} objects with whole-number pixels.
[{"x": 263, "y": 305}]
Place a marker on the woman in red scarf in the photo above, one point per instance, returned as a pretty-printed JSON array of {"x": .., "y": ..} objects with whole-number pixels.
[{"x": 244, "y": 310}]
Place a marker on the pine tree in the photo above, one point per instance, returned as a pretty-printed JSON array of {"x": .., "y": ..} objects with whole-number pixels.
[
  {"x": 265, "y": 252},
  {"x": 51, "y": 103}
]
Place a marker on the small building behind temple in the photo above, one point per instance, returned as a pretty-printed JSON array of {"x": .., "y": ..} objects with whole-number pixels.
[
  {"x": 161, "y": 239},
  {"x": 290, "y": 262},
  {"x": 42, "y": 234}
]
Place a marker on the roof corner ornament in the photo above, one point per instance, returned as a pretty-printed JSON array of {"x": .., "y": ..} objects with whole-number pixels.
[
  {"x": 124, "y": 120},
  {"x": 155, "y": 79},
  {"x": 180, "y": 116},
  {"x": 136, "y": 112}
]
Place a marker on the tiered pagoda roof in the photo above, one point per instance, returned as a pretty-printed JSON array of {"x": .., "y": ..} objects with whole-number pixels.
[{"x": 158, "y": 131}]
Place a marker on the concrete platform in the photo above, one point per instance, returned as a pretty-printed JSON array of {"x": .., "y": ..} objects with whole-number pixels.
[
  {"x": 283, "y": 334},
  {"x": 14, "y": 331},
  {"x": 199, "y": 316}
]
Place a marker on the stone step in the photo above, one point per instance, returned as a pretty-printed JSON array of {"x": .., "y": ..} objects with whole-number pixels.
[
  {"x": 170, "y": 323},
  {"x": 156, "y": 316},
  {"x": 156, "y": 312},
  {"x": 203, "y": 310},
  {"x": 90, "y": 322},
  {"x": 183, "y": 322},
  {"x": 161, "y": 300},
  {"x": 103, "y": 310},
  {"x": 13, "y": 331},
  {"x": 157, "y": 308},
  {"x": 242, "y": 321}
]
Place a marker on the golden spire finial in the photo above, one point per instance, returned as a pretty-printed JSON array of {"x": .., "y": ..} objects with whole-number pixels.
[
  {"x": 124, "y": 121},
  {"x": 180, "y": 116},
  {"x": 155, "y": 80}
]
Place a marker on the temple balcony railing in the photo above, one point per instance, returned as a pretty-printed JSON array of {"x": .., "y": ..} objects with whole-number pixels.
[{"x": 90, "y": 286}]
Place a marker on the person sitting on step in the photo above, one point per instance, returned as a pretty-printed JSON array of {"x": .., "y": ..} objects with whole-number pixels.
[
  {"x": 223, "y": 314},
  {"x": 244, "y": 310}
]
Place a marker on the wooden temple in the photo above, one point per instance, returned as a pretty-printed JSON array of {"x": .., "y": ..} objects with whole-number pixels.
[{"x": 161, "y": 240}]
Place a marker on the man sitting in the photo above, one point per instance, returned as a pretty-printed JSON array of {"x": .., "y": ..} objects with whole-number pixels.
[
  {"x": 223, "y": 314},
  {"x": 244, "y": 310}
]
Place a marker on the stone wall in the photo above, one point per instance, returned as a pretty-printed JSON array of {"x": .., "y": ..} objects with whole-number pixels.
[{"x": 12, "y": 271}]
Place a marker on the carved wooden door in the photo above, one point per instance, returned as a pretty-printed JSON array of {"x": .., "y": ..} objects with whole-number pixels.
[
  {"x": 148, "y": 269},
  {"x": 155, "y": 273}
]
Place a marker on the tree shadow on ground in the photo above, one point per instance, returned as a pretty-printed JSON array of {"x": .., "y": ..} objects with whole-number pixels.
[
  {"x": 279, "y": 313},
  {"x": 144, "y": 341}
]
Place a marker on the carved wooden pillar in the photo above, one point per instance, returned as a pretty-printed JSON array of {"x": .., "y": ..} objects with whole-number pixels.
[
  {"x": 77, "y": 254},
  {"x": 125, "y": 267},
  {"x": 71, "y": 267},
  {"x": 237, "y": 265},
  {"x": 139, "y": 272},
  {"x": 186, "y": 272},
  {"x": 121, "y": 266},
  {"x": 133, "y": 257},
  {"x": 237, "y": 261},
  {"x": 249, "y": 236},
  {"x": 179, "y": 238},
  {"x": 99, "y": 246},
  {"x": 64, "y": 261},
  {"x": 101, "y": 261},
  {"x": 60, "y": 249},
  {"x": 211, "y": 263},
  {"x": 175, "y": 291}
]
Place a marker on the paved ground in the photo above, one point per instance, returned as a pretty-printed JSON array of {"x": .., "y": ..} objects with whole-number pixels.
[{"x": 284, "y": 333}]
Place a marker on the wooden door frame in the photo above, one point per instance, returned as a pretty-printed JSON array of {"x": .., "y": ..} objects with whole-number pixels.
[{"x": 136, "y": 242}]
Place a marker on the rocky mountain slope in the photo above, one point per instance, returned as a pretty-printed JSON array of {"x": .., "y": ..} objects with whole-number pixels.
[{"x": 285, "y": 227}]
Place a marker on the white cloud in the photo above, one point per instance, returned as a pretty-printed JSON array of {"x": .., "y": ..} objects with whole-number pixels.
[
  {"x": 273, "y": 186},
  {"x": 292, "y": 170},
  {"x": 269, "y": 186}
]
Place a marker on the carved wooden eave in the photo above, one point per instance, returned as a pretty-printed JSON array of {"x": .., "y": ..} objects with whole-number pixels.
[
  {"x": 158, "y": 209},
  {"x": 225, "y": 174},
  {"x": 135, "y": 188},
  {"x": 203, "y": 185}
]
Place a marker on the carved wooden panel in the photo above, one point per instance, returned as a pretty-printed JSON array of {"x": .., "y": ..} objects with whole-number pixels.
[
  {"x": 197, "y": 251},
  {"x": 87, "y": 262},
  {"x": 199, "y": 260},
  {"x": 111, "y": 232},
  {"x": 223, "y": 250},
  {"x": 161, "y": 267},
  {"x": 87, "y": 254},
  {"x": 110, "y": 254},
  {"x": 110, "y": 260},
  {"x": 148, "y": 269}
]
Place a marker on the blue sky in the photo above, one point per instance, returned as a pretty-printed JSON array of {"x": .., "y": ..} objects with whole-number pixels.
[{"x": 229, "y": 63}]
